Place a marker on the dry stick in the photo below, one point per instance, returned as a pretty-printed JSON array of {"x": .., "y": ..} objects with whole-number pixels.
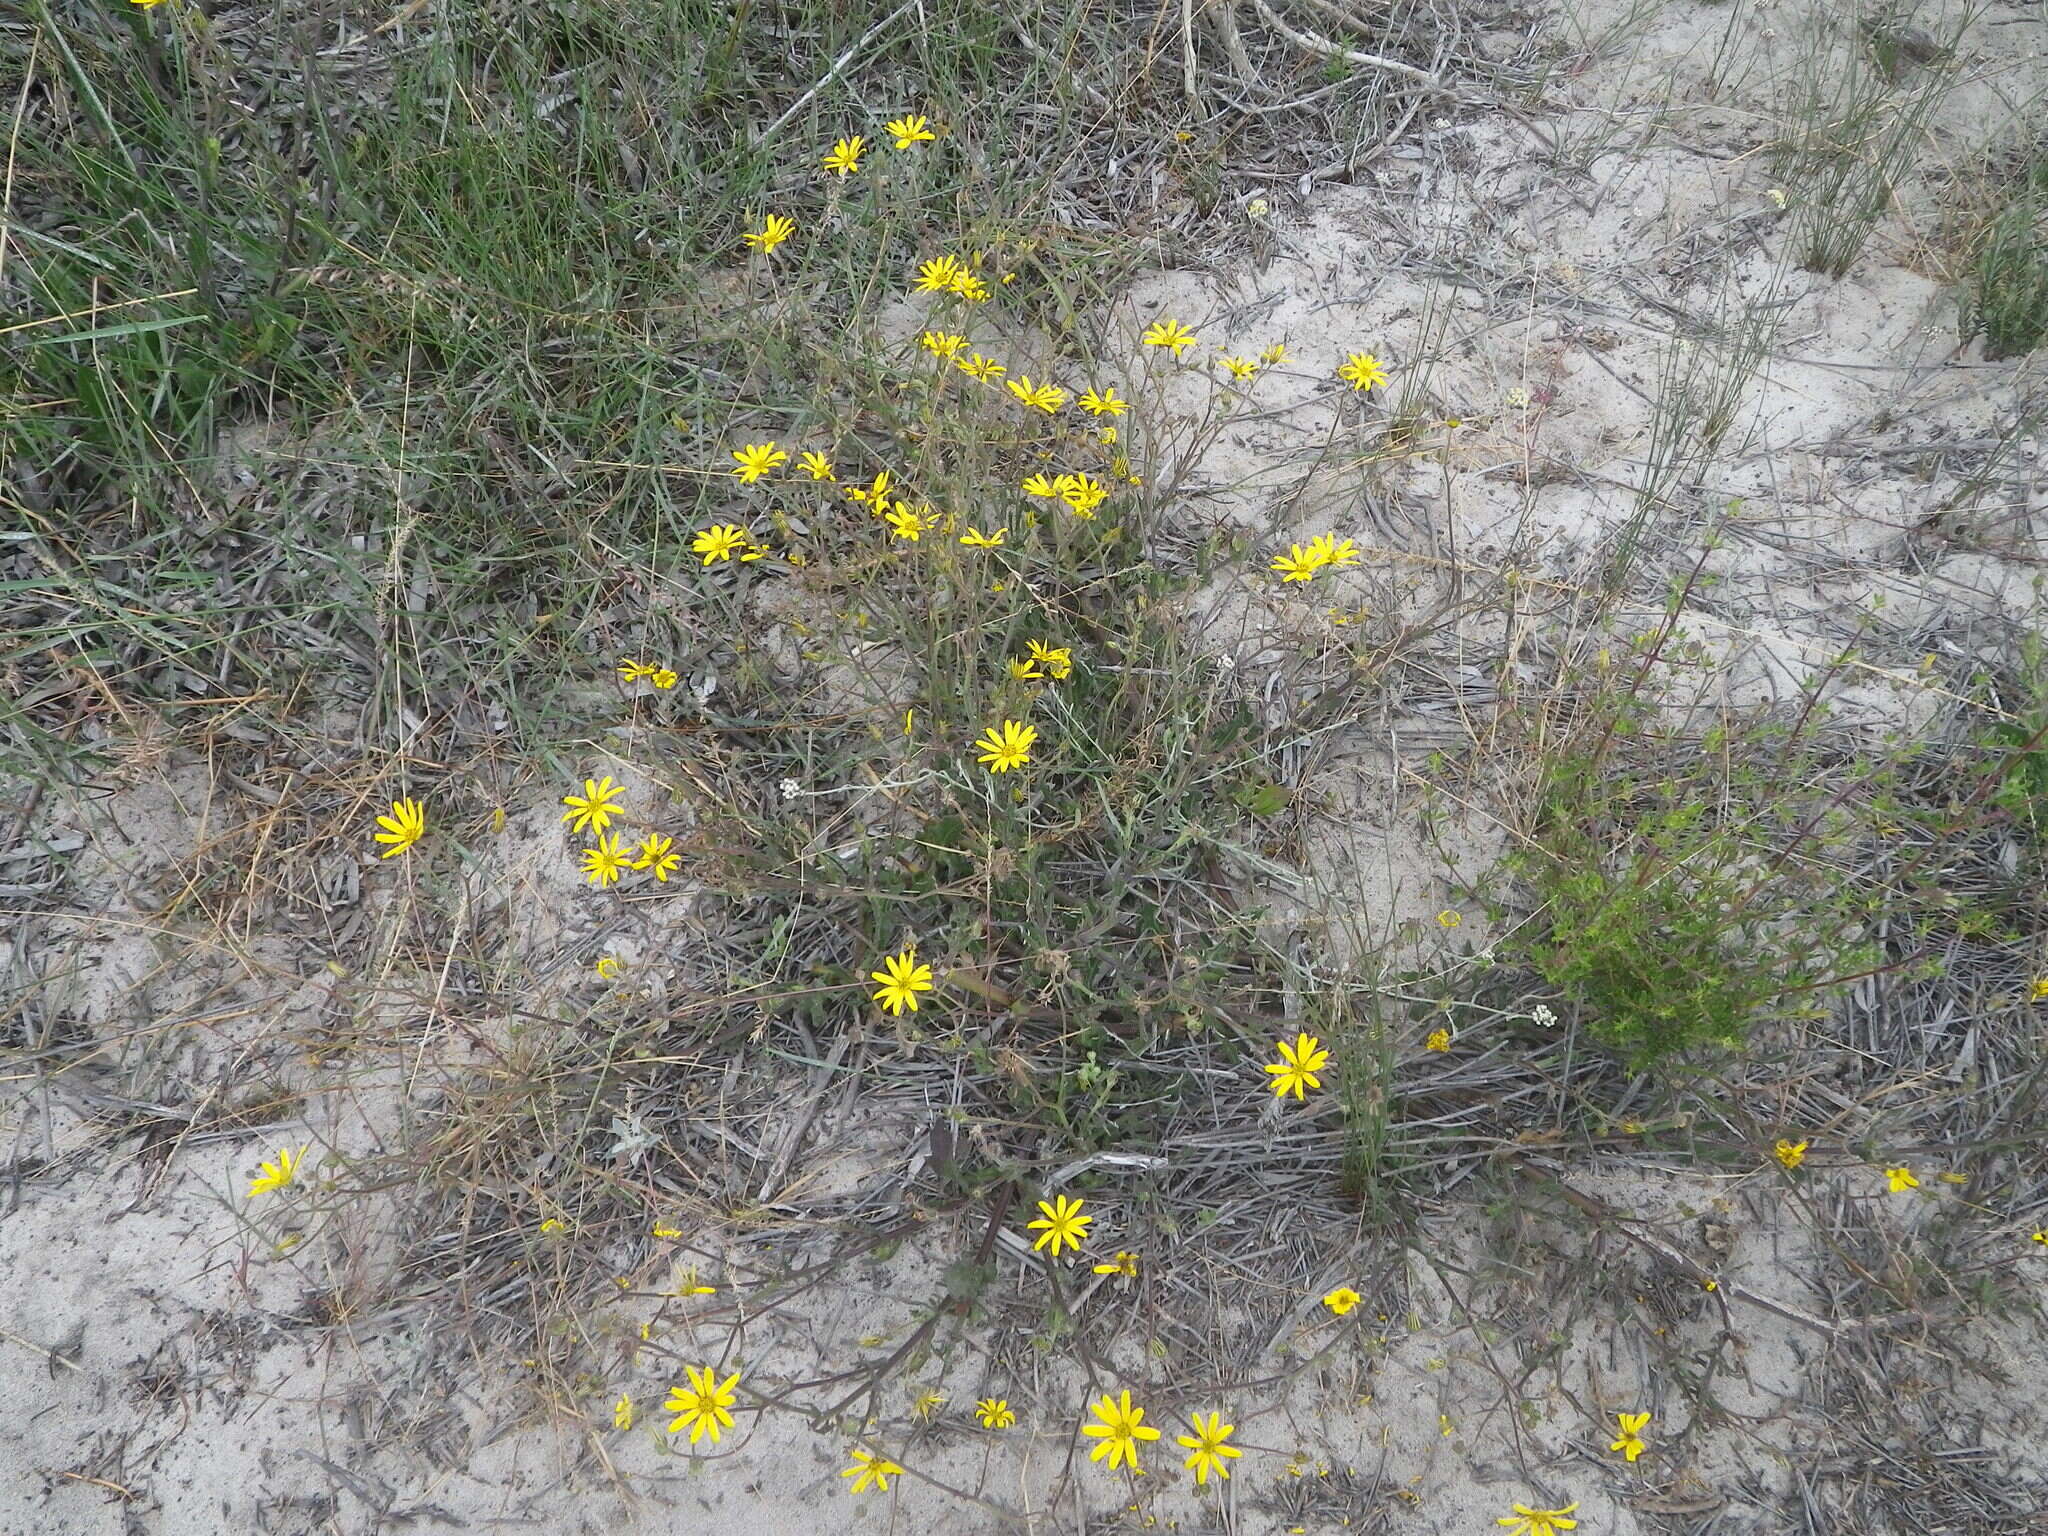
[
  {"x": 1328, "y": 49},
  {"x": 838, "y": 65},
  {"x": 1650, "y": 1242}
]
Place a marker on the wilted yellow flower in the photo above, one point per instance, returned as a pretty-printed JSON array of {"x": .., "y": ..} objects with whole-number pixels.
[
  {"x": 1630, "y": 1443},
  {"x": 1125, "y": 1264},
  {"x": 869, "y": 1471},
  {"x": 1342, "y": 1300},
  {"x": 928, "y": 1402},
  {"x": 994, "y": 1413},
  {"x": 946, "y": 344},
  {"x": 1295, "y": 1071},
  {"x": 631, "y": 671},
  {"x": 1362, "y": 370},
  {"x": 909, "y": 130},
  {"x": 1439, "y": 1040},
  {"x": 607, "y": 967},
  {"x": 1025, "y": 670},
  {"x": 902, "y": 978},
  {"x": 1007, "y": 749},
  {"x": 622, "y": 1413},
  {"x": 1107, "y": 403},
  {"x": 657, "y": 856},
  {"x": 1540, "y": 1522},
  {"x": 1790, "y": 1153},
  {"x": 845, "y": 156},
  {"x": 2039, "y": 990},
  {"x": 702, "y": 1405},
  {"x": 1276, "y": 353},
  {"x": 757, "y": 459},
  {"x": 983, "y": 368},
  {"x": 817, "y": 466},
  {"x": 1206, "y": 1447},
  {"x": 1060, "y": 1223},
  {"x": 594, "y": 809},
  {"x": 974, "y": 538},
  {"x": 1446, "y": 918},
  {"x": 773, "y": 231},
  {"x": 1901, "y": 1180},
  {"x": 1122, "y": 1427},
  {"x": 1169, "y": 333},
  {"x": 406, "y": 825},
  {"x": 279, "y": 1174}
]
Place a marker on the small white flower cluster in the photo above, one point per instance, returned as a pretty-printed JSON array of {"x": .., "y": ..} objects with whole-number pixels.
[{"x": 1543, "y": 1016}]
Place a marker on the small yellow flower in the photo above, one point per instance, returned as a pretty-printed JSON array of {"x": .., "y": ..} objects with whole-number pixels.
[
  {"x": 974, "y": 538},
  {"x": 1439, "y": 1040},
  {"x": 278, "y": 1174},
  {"x": 1446, "y": 918},
  {"x": 607, "y": 967},
  {"x": 1362, "y": 371},
  {"x": 929, "y": 1402},
  {"x": 1007, "y": 749},
  {"x": 1041, "y": 485},
  {"x": 622, "y": 1413},
  {"x": 908, "y": 130},
  {"x": 902, "y": 978},
  {"x": 1295, "y": 1071},
  {"x": 1083, "y": 495},
  {"x": 1106, "y": 403},
  {"x": 606, "y": 861},
  {"x": 968, "y": 286},
  {"x": 817, "y": 466},
  {"x": 756, "y": 460},
  {"x": 1169, "y": 333},
  {"x": 1025, "y": 670},
  {"x": 1044, "y": 397},
  {"x": 994, "y": 1413},
  {"x": 1057, "y": 660},
  {"x": 703, "y": 1405},
  {"x": 2039, "y": 989},
  {"x": 1206, "y": 1447},
  {"x": 1337, "y": 554},
  {"x": 406, "y": 825},
  {"x": 773, "y": 231},
  {"x": 631, "y": 671},
  {"x": 1630, "y": 1443},
  {"x": 1243, "y": 369},
  {"x": 1276, "y": 353},
  {"x": 1342, "y": 1300},
  {"x": 594, "y": 809},
  {"x": 657, "y": 856},
  {"x": 874, "y": 495},
  {"x": 845, "y": 156},
  {"x": 982, "y": 368},
  {"x": 1061, "y": 1223},
  {"x": 1298, "y": 564},
  {"x": 1125, "y": 1264},
  {"x": 1900, "y": 1180},
  {"x": 667, "y": 1233},
  {"x": 1790, "y": 1153},
  {"x": 719, "y": 541},
  {"x": 939, "y": 274},
  {"x": 662, "y": 677},
  {"x": 1540, "y": 1522},
  {"x": 1122, "y": 1427},
  {"x": 2041, "y": 1238},
  {"x": 946, "y": 344},
  {"x": 904, "y": 523},
  {"x": 870, "y": 1471}
]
